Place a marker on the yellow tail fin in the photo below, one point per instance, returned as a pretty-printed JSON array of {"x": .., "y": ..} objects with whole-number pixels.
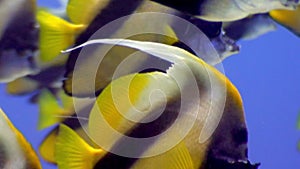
[
  {"x": 50, "y": 110},
  {"x": 47, "y": 146},
  {"x": 72, "y": 152},
  {"x": 288, "y": 18},
  {"x": 56, "y": 34}
]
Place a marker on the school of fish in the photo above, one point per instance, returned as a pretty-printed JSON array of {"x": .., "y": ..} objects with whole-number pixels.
[{"x": 180, "y": 112}]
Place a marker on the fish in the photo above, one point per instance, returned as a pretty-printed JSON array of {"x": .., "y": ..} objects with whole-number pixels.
[
  {"x": 18, "y": 39},
  {"x": 176, "y": 158},
  {"x": 52, "y": 113},
  {"x": 213, "y": 111},
  {"x": 49, "y": 78},
  {"x": 228, "y": 10},
  {"x": 84, "y": 26},
  {"x": 249, "y": 28},
  {"x": 288, "y": 18},
  {"x": 16, "y": 151}
]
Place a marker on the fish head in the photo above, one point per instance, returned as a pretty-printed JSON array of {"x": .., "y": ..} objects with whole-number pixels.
[{"x": 262, "y": 6}]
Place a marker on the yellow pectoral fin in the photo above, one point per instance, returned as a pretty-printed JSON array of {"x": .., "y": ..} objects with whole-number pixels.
[
  {"x": 21, "y": 86},
  {"x": 72, "y": 152},
  {"x": 84, "y": 11},
  {"x": 47, "y": 147},
  {"x": 288, "y": 18},
  {"x": 176, "y": 158},
  {"x": 50, "y": 110},
  {"x": 56, "y": 35}
]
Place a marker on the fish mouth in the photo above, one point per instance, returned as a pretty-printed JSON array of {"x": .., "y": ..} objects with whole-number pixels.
[
  {"x": 225, "y": 45},
  {"x": 218, "y": 163}
]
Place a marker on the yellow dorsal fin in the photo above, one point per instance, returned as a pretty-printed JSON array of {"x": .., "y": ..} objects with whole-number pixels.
[
  {"x": 72, "y": 152},
  {"x": 47, "y": 146},
  {"x": 176, "y": 158},
  {"x": 50, "y": 110},
  {"x": 84, "y": 11},
  {"x": 21, "y": 86},
  {"x": 288, "y": 18},
  {"x": 56, "y": 35}
]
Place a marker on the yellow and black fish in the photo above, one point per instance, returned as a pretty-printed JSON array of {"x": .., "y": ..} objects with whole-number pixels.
[
  {"x": 104, "y": 12},
  {"x": 15, "y": 151},
  {"x": 18, "y": 39},
  {"x": 49, "y": 78},
  {"x": 88, "y": 16},
  {"x": 228, "y": 10},
  {"x": 124, "y": 107}
]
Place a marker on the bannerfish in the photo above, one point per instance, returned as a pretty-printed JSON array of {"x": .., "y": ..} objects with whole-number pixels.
[
  {"x": 228, "y": 10},
  {"x": 94, "y": 15},
  {"x": 49, "y": 77},
  {"x": 289, "y": 19},
  {"x": 196, "y": 107},
  {"x": 18, "y": 39},
  {"x": 139, "y": 22},
  {"x": 249, "y": 28},
  {"x": 15, "y": 151}
]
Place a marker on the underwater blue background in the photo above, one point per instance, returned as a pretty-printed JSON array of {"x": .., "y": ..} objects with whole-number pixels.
[{"x": 267, "y": 74}]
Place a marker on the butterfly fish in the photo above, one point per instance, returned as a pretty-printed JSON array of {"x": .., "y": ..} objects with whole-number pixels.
[
  {"x": 87, "y": 17},
  {"x": 15, "y": 151},
  {"x": 18, "y": 39},
  {"x": 228, "y": 10},
  {"x": 190, "y": 116},
  {"x": 140, "y": 20}
]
